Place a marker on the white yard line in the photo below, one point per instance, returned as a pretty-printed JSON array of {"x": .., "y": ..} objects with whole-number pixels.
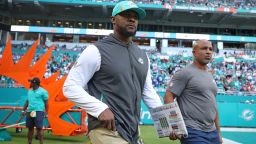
[
  {"x": 228, "y": 141},
  {"x": 224, "y": 129}
]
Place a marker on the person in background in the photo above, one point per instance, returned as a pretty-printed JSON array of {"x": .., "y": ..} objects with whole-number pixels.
[{"x": 35, "y": 108}]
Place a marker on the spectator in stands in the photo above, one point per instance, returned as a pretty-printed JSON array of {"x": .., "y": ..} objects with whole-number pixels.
[
  {"x": 117, "y": 75},
  {"x": 195, "y": 90},
  {"x": 35, "y": 105},
  {"x": 226, "y": 82}
]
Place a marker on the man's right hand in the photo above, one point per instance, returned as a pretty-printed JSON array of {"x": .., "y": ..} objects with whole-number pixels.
[
  {"x": 107, "y": 119},
  {"x": 174, "y": 136},
  {"x": 23, "y": 113}
]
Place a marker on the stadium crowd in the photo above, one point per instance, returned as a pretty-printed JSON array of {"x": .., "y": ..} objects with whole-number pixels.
[
  {"x": 62, "y": 59},
  {"x": 243, "y": 4},
  {"x": 231, "y": 76},
  {"x": 236, "y": 76}
]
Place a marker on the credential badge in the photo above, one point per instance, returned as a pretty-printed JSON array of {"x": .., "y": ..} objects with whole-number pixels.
[{"x": 140, "y": 60}]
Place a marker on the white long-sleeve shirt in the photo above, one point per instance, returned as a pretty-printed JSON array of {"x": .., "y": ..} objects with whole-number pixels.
[{"x": 83, "y": 70}]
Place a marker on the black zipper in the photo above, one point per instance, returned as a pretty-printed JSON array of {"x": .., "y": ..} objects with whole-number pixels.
[{"x": 132, "y": 69}]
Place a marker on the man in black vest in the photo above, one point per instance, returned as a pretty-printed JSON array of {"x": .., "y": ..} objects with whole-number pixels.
[{"x": 110, "y": 78}]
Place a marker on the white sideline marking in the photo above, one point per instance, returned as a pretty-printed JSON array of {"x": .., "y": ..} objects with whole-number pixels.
[
  {"x": 238, "y": 129},
  {"x": 228, "y": 141}
]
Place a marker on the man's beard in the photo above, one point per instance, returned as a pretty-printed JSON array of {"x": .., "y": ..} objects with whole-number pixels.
[
  {"x": 127, "y": 33},
  {"x": 202, "y": 61},
  {"x": 205, "y": 62}
]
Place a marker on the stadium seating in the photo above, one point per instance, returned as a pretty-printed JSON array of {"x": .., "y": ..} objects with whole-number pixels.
[{"x": 233, "y": 70}]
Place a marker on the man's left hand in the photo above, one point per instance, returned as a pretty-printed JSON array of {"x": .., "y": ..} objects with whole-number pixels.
[{"x": 46, "y": 115}]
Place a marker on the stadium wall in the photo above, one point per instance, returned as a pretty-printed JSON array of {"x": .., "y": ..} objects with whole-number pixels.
[
  {"x": 16, "y": 97},
  {"x": 234, "y": 111}
]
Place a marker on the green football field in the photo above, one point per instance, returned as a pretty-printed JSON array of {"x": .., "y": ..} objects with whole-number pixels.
[
  {"x": 148, "y": 135},
  {"x": 230, "y": 136}
]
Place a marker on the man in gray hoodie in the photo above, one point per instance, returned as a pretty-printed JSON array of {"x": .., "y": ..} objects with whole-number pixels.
[{"x": 116, "y": 76}]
